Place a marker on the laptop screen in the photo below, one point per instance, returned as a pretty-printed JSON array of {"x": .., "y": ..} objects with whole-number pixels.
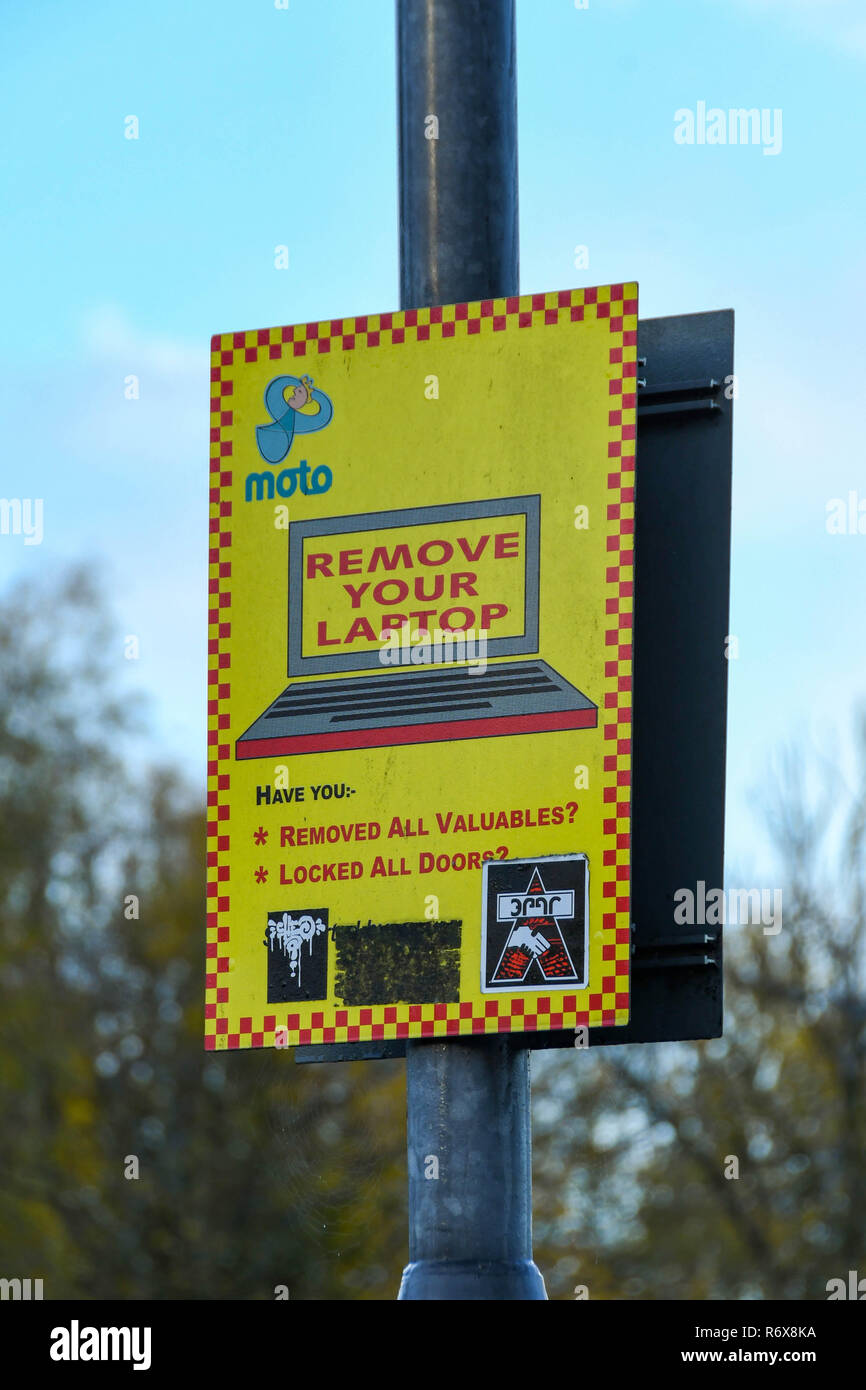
[{"x": 359, "y": 584}]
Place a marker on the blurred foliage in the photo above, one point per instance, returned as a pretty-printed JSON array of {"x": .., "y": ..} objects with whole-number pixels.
[
  {"x": 632, "y": 1145},
  {"x": 255, "y": 1172}
]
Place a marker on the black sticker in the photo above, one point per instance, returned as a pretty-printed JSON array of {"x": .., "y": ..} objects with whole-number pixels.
[
  {"x": 534, "y": 933},
  {"x": 397, "y": 962},
  {"x": 297, "y": 945}
]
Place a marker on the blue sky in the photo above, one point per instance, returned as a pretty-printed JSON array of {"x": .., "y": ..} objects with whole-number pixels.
[{"x": 261, "y": 127}]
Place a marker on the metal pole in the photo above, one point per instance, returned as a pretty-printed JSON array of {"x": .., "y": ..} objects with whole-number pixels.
[
  {"x": 470, "y": 1175},
  {"x": 458, "y": 171}
]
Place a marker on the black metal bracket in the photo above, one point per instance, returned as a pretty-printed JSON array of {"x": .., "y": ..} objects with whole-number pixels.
[
  {"x": 671, "y": 952},
  {"x": 677, "y": 397}
]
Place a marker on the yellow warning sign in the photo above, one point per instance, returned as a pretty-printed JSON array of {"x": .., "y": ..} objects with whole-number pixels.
[{"x": 419, "y": 713}]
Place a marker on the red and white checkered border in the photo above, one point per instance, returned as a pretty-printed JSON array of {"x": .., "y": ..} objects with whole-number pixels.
[{"x": 617, "y": 304}]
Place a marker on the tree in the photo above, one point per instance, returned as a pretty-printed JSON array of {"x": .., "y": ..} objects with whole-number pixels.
[
  {"x": 135, "y": 1165},
  {"x": 731, "y": 1168}
]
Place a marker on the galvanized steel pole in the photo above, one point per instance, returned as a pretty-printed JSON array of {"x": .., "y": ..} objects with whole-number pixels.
[{"x": 470, "y": 1177}]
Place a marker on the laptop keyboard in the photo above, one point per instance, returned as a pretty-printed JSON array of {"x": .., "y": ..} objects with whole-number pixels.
[{"x": 387, "y": 696}]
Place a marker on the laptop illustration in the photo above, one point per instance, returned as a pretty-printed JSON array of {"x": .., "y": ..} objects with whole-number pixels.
[{"x": 424, "y": 604}]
